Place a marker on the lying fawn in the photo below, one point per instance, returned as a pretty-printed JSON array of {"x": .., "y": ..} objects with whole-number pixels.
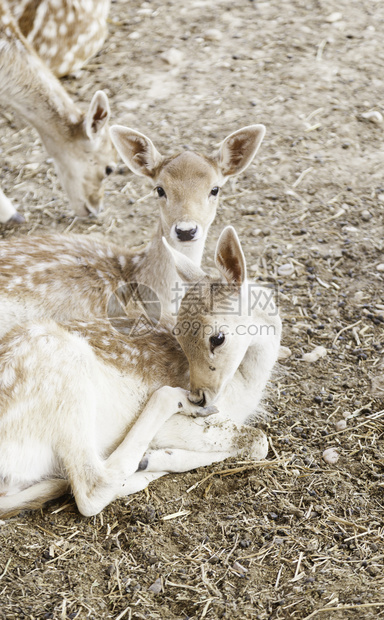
[
  {"x": 81, "y": 404},
  {"x": 78, "y": 143},
  {"x": 64, "y": 277},
  {"x": 64, "y": 33}
]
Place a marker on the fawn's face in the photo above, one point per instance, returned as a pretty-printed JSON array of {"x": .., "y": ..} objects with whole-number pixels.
[
  {"x": 83, "y": 174},
  {"x": 213, "y": 331},
  {"x": 188, "y": 186},
  {"x": 87, "y": 159},
  {"x": 218, "y": 321}
]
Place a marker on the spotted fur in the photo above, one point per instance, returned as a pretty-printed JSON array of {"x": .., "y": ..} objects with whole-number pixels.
[
  {"x": 78, "y": 142},
  {"x": 105, "y": 413},
  {"x": 64, "y": 277}
]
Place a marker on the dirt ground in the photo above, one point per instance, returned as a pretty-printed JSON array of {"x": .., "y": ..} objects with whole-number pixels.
[{"x": 293, "y": 536}]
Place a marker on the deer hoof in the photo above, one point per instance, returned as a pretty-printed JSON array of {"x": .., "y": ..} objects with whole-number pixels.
[{"x": 16, "y": 218}]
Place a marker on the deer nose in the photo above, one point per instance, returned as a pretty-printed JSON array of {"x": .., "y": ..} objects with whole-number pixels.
[
  {"x": 185, "y": 234},
  {"x": 197, "y": 397}
]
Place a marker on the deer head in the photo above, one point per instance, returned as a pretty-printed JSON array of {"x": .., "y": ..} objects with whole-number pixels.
[
  {"x": 88, "y": 157},
  {"x": 188, "y": 184},
  {"x": 219, "y": 320}
]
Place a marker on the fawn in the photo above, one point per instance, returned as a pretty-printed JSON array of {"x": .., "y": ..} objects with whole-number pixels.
[
  {"x": 85, "y": 408},
  {"x": 79, "y": 143},
  {"x": 64, "y": 277}
]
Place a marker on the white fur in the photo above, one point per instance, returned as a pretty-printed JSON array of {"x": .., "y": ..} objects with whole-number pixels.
[{"x": 65, "y": 415}]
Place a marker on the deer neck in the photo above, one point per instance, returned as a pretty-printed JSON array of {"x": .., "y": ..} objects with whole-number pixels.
[
  {"x": 27, "y": 86},
  {"x": 158, "y": 271}
]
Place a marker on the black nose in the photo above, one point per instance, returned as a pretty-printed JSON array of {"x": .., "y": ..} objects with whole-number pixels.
[
  {"x": 197, "y": 398},
  {"x": 185, "y": 235}
]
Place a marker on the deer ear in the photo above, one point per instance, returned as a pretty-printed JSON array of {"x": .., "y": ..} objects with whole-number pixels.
[
  {"x": 98, "y": 115},
  {"x": 136, "y": 150},
  {"x": 229, "y": 257},
  {"x": 239, "y": 148},
  {"x": 187, "y": 270}
]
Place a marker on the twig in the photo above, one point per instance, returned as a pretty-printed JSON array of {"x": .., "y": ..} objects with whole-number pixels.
[
  {"x": 342, "y": 607},
  {"x": 126, "y": 610},
  {"x": 302, "y": 176},
  {"x": 344, "y": 330}
]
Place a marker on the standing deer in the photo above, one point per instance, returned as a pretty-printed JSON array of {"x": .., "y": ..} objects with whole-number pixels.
[
  {"x": 78, "y": 143},
  {"x": 64, "y": 277},
  {"x": 84, "y": 408}
]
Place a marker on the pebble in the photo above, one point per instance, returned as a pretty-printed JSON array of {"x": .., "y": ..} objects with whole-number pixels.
[
  {"x": 156, "y": 587},
  {"x": 284, "y": 353},
  {"x": 213, "y": 34},
  {"x": 380, "y": 267},
  {"x": 331, "y": 456},
  {"x": 373, "y": 116},
  {"x": 172, "y": 56},
  {"x": 316, "y": 354},
  {"x": 341, "y": 425},
  {"x": 366, "y": 215},
  {"x": 358, "y": 296},
  {"x": 286, "y": 270},
  {"x": 334, "y": 17}
]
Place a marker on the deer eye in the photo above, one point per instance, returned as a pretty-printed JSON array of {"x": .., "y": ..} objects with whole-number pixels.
[
  {"x": 160, "y": 191},
  {"x": 216, "y": 341},
  {"x": 108, "y": 170},
  {"x": 215, "y": 191}
]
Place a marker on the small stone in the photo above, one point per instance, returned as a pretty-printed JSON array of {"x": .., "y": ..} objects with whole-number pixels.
[
  {"x": 254, "y": 268},
  {"x": 156, "y": 587},
  {"x": 380, "y": 267},
  {"x": 341, "y": 425},
  {"x": 172, "y": 56},
  {"x": 316, "y": 354},
  {"x": 331, "y": 456},
  {"x": 132, "y": 104},
  {"x": 286, "y": 270},
  {"x": 359, "y": 296},
  {"x": 366, "y": 215},
  {"x": 373, "y": 116},
  {"x": 213, "y": 34},
  {"x": 284, "y": 353},
  {"x": 334, "y": 17}
]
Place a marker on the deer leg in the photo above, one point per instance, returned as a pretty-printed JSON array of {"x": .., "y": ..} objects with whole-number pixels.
[
  {"x": 8, "y": 211},
  {"x": 225, "y": 440},
  {"x": 96, "y": 483}
]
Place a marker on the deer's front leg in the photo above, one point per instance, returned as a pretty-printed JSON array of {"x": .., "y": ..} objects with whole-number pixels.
[
  {"x": 201, "y": 444},
  {"x": 113, "y": 476},
  {"x": 164, "y": 403},
  {"x": 8, "y": 211}
]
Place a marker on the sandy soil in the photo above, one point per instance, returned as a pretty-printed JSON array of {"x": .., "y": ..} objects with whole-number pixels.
[{"x": 292, "y": 537}]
